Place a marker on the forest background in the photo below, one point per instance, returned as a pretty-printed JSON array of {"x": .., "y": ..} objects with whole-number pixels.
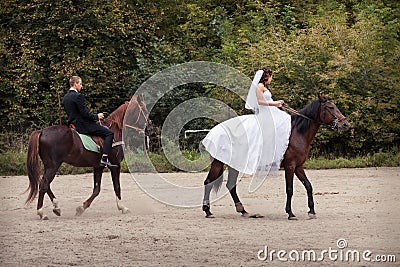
[{"x": 348, "y": 49}]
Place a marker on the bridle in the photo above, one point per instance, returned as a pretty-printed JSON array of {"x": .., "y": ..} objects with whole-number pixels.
[
  {"x": 112, "y": 121},
  {"x": 332, "y": 125},
  {"x": 336, "y": 121},
  {"x": 141, "y": 113}
]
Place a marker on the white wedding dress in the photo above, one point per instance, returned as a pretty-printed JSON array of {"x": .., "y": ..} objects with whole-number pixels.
[{"x": 252, "y": 144}]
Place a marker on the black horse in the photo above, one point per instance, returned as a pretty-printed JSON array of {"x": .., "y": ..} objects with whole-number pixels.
[{"x": 305, "y": 125}]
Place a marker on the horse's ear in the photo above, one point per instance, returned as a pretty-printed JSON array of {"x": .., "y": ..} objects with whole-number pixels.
[
  {"x": 322, "y": 97},
  {"x": 135, "y": 97},
  {"x": 139, "y": 98}
]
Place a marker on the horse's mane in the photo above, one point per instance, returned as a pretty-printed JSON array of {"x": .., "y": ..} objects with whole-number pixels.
[
  {"x": 311, "y": 111},
  {"x": 114, "y": 121}
]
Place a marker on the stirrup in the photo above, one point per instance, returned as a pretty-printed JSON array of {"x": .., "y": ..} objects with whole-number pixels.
[{"x": 107, "y": 163}]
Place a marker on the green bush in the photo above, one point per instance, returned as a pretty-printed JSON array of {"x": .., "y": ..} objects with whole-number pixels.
[
  {"x": 13, "y": 163},
  {"x": 380, "y": 159},
  {"x": 137, "y": 162},
  {"x": 385, "y": 159}
]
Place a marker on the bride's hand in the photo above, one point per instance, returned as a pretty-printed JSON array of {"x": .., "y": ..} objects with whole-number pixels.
[{"x": 280, "y": 103}]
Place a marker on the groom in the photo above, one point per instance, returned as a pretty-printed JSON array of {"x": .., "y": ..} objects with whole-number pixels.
[{"x": 84, "y": 121}]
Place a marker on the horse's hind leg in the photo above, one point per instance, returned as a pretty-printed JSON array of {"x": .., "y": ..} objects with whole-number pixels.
[
  {"x": 231, "y": 185},
  {"x": 97, "y": 173},
  {"x": 299, "y": 171},
  {"x": 215, "y": 172},
  {"x": 54, "y": 200},
  {"x": 44, "y": 187},
  {"x": 115, "y": 174}
]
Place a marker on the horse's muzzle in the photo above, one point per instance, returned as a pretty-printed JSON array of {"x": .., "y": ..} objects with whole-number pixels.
[
  {"x": 343, "y": 126},
  {"x": 148, "y": 129}
]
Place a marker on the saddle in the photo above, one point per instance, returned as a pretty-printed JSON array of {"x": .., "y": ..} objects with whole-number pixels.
[{"x": 90, "y": 142}]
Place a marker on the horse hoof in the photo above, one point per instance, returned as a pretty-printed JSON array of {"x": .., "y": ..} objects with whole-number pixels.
[
  {"x": 125, "y": 210},
  {"x": 211, "y": 216},
  {"x": 240, "y": 208},
  {"x": 57, "y": 211},
  {"x": 79, "y": 211},
  {"x": 292, "y": 218},
  {"x": 244, "y": 212},
  {"x": 312, "y": 216},
  {"x": 41, "y": 215}
]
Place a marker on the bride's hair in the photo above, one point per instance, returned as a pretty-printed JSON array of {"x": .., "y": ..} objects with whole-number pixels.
[{"x": 267, "y": 73}]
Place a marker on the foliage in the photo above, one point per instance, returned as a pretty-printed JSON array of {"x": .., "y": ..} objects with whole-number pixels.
[
  {"x": 348, "y": 49},
  {"x": 13, "y": 163},
  {"x": 380, "y": 159},
  {"x": 108, "y": 43}
]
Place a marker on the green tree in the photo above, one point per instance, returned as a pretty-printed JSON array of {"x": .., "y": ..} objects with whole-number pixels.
[
  {"x": 347, "y": 48},
  {"x": 110, "y": 44}
]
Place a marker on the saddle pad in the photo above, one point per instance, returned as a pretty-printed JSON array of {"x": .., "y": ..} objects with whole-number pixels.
[{"x": 88, "y": 143}]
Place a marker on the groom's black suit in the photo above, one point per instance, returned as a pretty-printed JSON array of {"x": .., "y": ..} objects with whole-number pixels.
[{"x": 84, "y": 121}]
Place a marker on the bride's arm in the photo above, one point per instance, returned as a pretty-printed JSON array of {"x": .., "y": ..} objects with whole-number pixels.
[{"x": 261, "y": 100}]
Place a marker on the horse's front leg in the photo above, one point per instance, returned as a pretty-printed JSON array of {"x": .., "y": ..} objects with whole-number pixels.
[
  {"x": 289, "y": 173},
  {"x": 115, "y": 174},
  {"x": 303, "y": 178},
  {"x": 97, "y": 173}
]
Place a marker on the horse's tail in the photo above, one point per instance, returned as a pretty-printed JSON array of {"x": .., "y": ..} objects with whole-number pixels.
[
  {"x": 33, "y": 166},
  {"x": 216, "y": 185}
]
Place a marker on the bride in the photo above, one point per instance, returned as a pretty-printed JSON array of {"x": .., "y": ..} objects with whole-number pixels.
[{"x": 253, "y": 144}]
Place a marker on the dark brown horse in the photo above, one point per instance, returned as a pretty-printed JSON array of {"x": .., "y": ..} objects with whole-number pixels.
[
  {"x": 304, "y": 128},
  {"x": 58, "y": 144}
]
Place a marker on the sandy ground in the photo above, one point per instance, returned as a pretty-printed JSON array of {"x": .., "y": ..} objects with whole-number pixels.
[{"x": 360, "y": 206}]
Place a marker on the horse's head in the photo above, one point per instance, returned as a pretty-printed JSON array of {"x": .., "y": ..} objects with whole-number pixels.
[
  {"x": 139, "y": 115},
  {"x": 331, "y": 116}
]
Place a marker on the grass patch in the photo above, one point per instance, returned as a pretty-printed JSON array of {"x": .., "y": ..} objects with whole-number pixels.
[
  {"x": 13, "y": 163},
  {"x": 139, "y": 163},
  {"x": 380, "y": 159}
]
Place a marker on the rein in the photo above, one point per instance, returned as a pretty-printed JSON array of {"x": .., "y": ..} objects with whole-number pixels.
[
  {"x": 141, "y": 112},
  {"x": 112, "y": 121},
  {"x": 288, "y": 109}
]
